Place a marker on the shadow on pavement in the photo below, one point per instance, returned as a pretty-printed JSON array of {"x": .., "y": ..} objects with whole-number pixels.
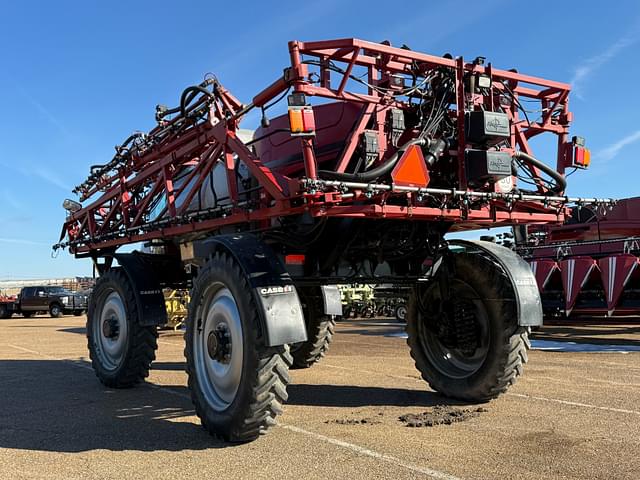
[
  {"x": 171, "y": 366},
  {"x": 78, "y": 330},
  {"x": 52, "y": 406},
  {"x": 589, "y": 333},
  {"x": 354, "y": 396}
]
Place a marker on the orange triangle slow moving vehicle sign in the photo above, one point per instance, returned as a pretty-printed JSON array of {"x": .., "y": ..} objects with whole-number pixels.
[{"x": 411, "y": 170}]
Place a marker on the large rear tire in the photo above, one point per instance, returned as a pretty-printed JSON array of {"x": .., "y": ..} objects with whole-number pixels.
[
  {"x": 468, "y": 346},
  {"x": 121, "y": 350},
  {"x": 238, "y": 384},
  {"x": 320, "y": 330},
  {"x": 4, "y": 312}
]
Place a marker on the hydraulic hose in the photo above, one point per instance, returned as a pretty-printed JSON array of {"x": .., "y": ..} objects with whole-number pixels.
[
  {"x": 374, "y": 173},
  {"x": 561, "y": 183},
  {"x": 189, "y": 94}
]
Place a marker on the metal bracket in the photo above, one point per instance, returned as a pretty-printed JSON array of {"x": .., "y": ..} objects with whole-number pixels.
[{"x": 332, "y": 300}]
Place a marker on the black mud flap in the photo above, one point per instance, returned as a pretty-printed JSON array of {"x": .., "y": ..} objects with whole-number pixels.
[
  {"x": 271, "y": 285},
  {"x": 148, "y": 273},
  {"x": 522, "y": 279}
]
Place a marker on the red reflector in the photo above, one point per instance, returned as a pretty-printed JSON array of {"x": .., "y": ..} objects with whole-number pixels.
[
  {"x": 294, "y": 259},
  {"x": 411, "y": 170},
  {"x": 308, "y": 120}
]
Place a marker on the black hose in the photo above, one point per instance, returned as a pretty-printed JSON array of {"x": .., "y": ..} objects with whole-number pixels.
[
  {"x": 374, "y": 173},
  {"x": 119, "y": 150},
  {"x": 561, "y": 183},
  {"x": 189, "y": 94}
]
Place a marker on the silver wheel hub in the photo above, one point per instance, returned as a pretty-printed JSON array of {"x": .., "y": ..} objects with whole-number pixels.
[
  {"x": 218, "y": 346},
  {"x": 110, "y": 331}
]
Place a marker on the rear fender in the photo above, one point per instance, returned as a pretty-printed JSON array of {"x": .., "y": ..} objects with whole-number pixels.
[
  {"x": 279, "y": 309},
  {"x": 523, "y": 282}
]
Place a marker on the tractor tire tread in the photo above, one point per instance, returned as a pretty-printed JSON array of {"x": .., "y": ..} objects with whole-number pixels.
[
  {"x": 144, "y": 340},
  {"x": 268, "y": 387}
]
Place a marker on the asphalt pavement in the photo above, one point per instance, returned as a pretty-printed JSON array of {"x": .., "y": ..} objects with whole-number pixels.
[{"x": 574, "y": 414}]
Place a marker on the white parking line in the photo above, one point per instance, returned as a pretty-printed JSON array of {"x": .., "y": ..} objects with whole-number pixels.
[
  {"x": 75, "y": 363},
  {"x": 383, "y": 457},
  {"x": 520, "y": 395},
  {"x": 590, "y": 382},
  {"x": 574, "y": 404},
  {"x": 373, "y": 454}
]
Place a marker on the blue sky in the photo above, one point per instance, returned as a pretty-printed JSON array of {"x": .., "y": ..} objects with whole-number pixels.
[{"x": 76, "y": 78}]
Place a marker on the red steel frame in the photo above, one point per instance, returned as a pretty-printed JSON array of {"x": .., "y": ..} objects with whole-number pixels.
[
  {"x": 119, "y": 214},
  {"x": 600, "y": 254}
]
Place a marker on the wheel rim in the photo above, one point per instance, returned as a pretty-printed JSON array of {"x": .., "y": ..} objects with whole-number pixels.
[
  {"x": 218, "y": 346},
  {"x": 55, "y": 310},
  {"x": 402, "y": 313},
  {"x": 111, "y": 331},
  {"x": 449, "y": 361}
]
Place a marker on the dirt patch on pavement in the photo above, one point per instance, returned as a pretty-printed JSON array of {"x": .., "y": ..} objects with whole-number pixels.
[
  {"x": 441, "y": 415},
  {"x": 354, "y": 421},
  {"x": 357, "y": 421}
]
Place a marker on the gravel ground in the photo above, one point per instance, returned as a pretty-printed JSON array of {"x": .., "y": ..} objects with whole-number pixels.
[{"x": 573, "y": 415}]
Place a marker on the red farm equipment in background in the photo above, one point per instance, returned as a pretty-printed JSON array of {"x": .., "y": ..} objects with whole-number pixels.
[
  {"x": 383, "y": 151},
  {"x": 588, "y": 266}
]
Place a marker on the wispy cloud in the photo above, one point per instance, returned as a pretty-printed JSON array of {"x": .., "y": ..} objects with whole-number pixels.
[
  {"x": 611, "y": 151},
  {"x": 595, "y": 62},
  {"x": 21, "y": 241},
  {"x": 11, "y": 201},
  {"x": 438, "y": 15},
  {"x": 37, "y": 171},
  {"x": 45, "y": 112},
  {"x": 50, "y": 177}
]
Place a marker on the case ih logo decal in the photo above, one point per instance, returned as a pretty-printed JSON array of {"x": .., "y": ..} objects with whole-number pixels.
[{"x": 265, "y": 291}]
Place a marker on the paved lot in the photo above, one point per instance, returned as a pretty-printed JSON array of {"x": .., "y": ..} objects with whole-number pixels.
[{"x": 573, "y": 415}]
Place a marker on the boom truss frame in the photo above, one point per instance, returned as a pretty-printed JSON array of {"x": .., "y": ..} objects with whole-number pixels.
[{"x": 122, "y": 197}]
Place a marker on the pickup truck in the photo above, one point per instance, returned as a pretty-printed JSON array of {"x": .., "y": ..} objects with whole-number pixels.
[{"x": 56, "y": 301}]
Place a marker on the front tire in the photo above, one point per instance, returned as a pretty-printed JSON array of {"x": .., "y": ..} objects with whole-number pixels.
[
  {"x": 56, "y": 311},
  {"x": 238, "y": 384},
  {"x": 320, "y": 330},
  {"x": 469, "y": 346},
  {"x": 4, "y": 312},
  {"x": 121, "y": 350}
]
